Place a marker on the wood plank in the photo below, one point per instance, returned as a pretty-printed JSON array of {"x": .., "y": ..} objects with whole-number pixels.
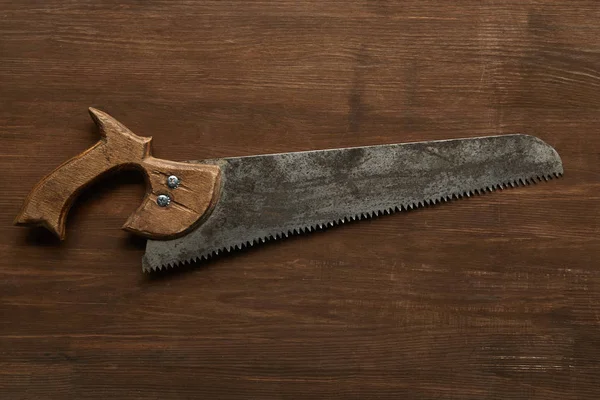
[{"x": 490, "y": 297}]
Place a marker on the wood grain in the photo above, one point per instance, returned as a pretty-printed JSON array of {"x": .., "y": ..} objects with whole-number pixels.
[
  {"x": 189, "y": 202},
  {"x": 492, "y": 297}
]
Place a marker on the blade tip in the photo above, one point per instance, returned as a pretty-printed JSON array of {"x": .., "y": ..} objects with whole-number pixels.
[{"x": 544, "y": 152}]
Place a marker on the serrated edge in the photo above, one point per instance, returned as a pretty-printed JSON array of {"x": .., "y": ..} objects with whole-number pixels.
[{"x": 365, "y": 215}]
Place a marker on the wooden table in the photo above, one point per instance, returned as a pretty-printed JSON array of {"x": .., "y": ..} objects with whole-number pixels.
[{"x": 494, "y": 297}]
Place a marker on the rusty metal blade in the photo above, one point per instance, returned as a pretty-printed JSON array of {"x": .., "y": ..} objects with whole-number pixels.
[{"x": 272, "y": 196}]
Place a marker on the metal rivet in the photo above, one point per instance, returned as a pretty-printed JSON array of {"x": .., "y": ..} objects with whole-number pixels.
[
  {"x": 163, "y": 200},
  {"x": 173, "y": 182}
]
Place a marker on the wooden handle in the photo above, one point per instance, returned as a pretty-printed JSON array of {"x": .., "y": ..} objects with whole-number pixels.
[{"x": 190, "y": 197}]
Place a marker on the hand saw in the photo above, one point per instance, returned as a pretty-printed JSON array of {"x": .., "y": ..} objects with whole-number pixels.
[{"x": 196, "y": 209}]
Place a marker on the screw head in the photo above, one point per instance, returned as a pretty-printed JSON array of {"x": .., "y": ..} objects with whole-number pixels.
[
  {"x": 173, "y": 182},
  {"x": 163, "y": 200}
]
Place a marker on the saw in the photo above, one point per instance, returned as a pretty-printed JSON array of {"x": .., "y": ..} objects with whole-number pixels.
[{"x": 196, "y": 209}]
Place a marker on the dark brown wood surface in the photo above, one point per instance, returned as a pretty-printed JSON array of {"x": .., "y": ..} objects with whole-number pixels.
[{"x": 494, "y": 297}]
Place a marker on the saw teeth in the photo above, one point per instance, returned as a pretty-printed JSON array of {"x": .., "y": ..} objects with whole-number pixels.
[{"x": 321, "y": 226}]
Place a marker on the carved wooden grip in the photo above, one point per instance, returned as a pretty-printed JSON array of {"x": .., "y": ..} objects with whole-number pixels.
[{"x": 194, "y": 197}]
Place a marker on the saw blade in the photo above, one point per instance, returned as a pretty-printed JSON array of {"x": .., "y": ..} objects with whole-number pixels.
[{"x": 272, "y": 196}]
